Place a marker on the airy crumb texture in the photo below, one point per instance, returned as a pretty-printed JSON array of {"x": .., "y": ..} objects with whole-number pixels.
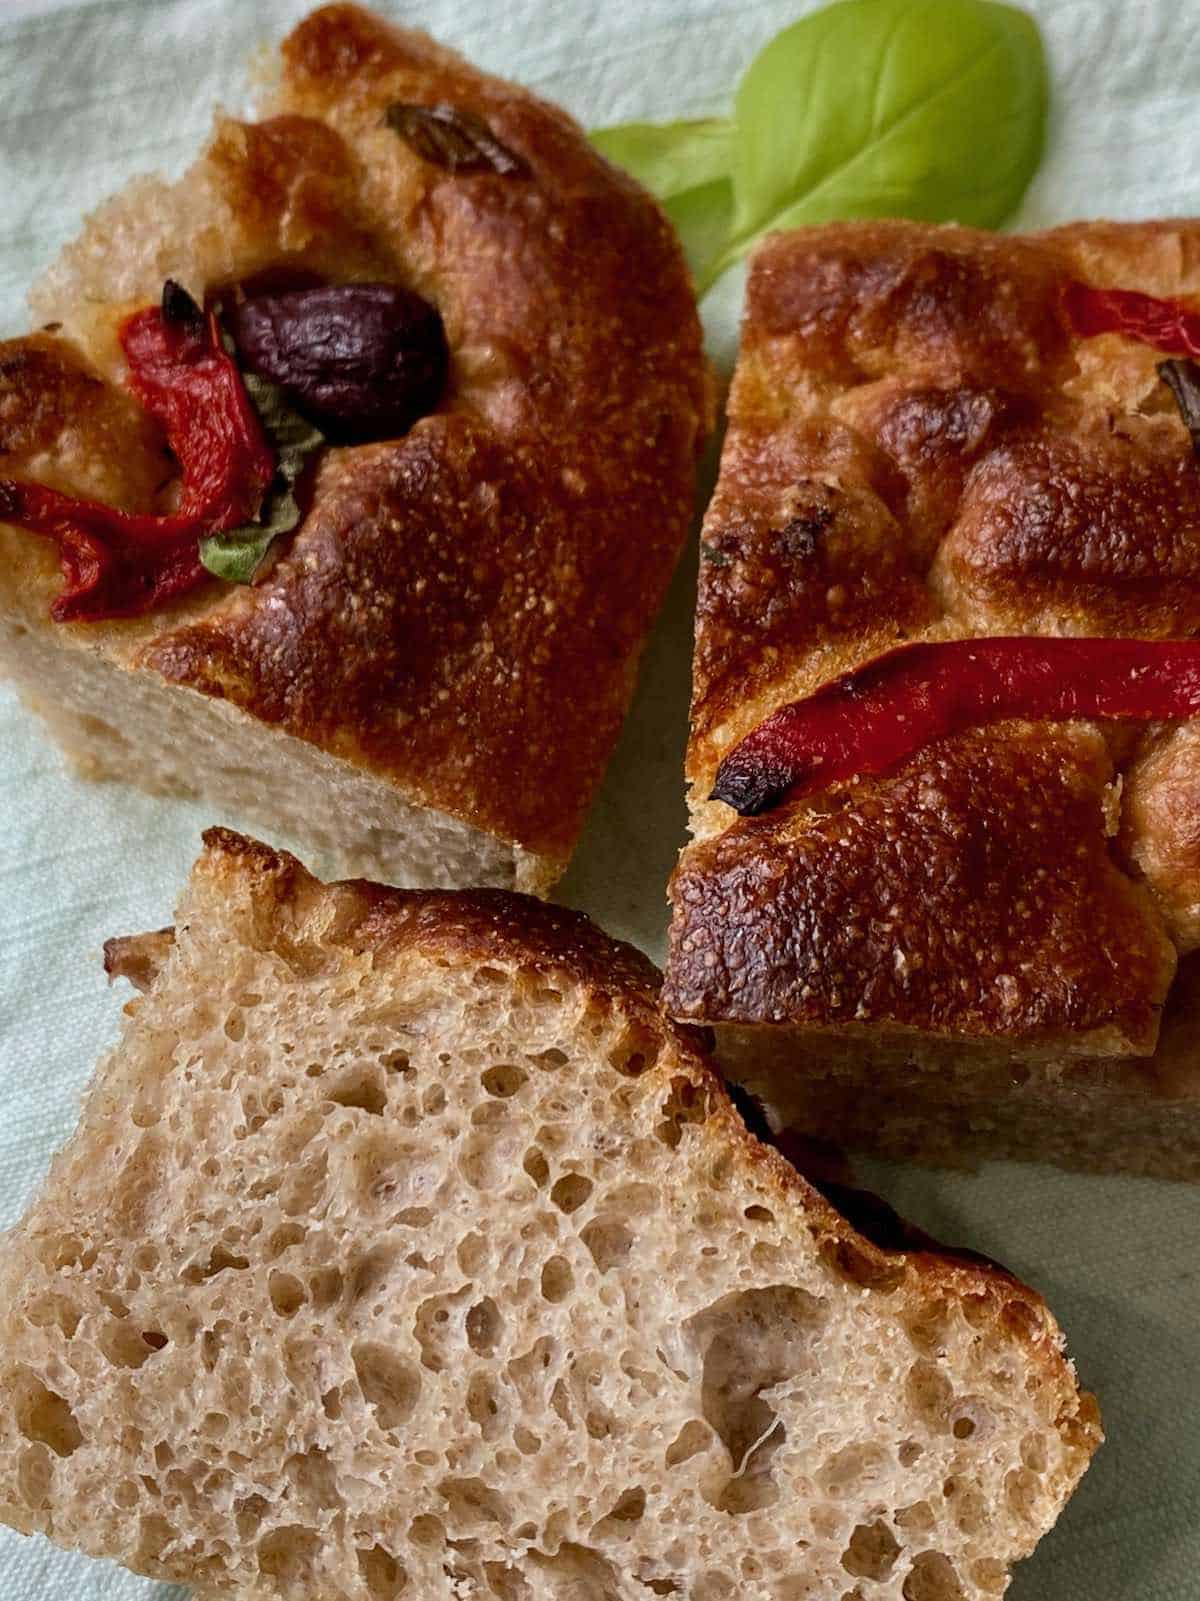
[
  {"x": 404, "y": 1250},
  {"x": 920, "y": 449},
  {"x": 443, "y": 652}
]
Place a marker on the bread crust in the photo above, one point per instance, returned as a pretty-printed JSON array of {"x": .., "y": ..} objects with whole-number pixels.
[
  {"x": 919, "y": 449},
  {"x": 461, "y": 610}
]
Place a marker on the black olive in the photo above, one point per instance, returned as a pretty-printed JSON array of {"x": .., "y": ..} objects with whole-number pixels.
[{"x": 362, "y": 361}]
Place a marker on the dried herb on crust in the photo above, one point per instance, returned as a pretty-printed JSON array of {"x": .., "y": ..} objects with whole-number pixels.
[
  {"x": 454, "y": 139},
  {"x": 237, "y": 555}
]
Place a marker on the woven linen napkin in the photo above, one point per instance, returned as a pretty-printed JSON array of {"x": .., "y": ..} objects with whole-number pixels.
[{"x": 91, "y": 95}]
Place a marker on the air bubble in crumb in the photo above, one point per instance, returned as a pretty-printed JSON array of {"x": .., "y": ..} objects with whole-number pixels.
[
  {"x": 536, "y": 1166},
  {"x": 609, "y": 1243},
  {"x": 557, "y": 1279},
  {"x": 43, "y": 1416},
  {"x": 286, "y": 1292},
  {"x": 484, "y": 1323},
  {"x": 382, "y": 1575},
  {"x": 872, "y": 1551},
  {"x": 932, "y": 1578},
  {"x": 692, "y": 1438},
  {"x": 571, "y": 1191},
  {"x": 503, "y": 1080},
  {"x": 289, "y": 1555},
  {"x": 389, "y": 1382},
  {"x": 362, "y": 1091}
]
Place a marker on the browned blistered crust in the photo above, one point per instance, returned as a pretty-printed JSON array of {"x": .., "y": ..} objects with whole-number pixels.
[
  {"x": 920, "y": 449},
  {"x": 462, "y": 609},
  {"x": 971, "y": 893}
]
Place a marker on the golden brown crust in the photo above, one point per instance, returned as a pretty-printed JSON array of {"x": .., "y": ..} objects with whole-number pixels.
[
  {"x": 295, "y": 915},
  {"x": 970, "y": 893},
  {"x": 462, "y": 924},
  {"x": 919, "y": 448},
  {"x": 462, "y": 609}
]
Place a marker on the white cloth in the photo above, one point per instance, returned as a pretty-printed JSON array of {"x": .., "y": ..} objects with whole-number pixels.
[{"x": 89, "y": 96}]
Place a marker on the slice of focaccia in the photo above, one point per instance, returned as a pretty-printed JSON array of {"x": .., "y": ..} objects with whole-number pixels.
[
  {"x": 404, "y": 1248},
  {"x": 494, "y": 334},
  {"x": 974, "y": 934}
]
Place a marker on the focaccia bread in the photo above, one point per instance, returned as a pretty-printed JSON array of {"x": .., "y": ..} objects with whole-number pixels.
[
  {"x": 983, "y": 950},
  {"x": 428, "y": 681},
  {"x": 405, "y": 1248}
]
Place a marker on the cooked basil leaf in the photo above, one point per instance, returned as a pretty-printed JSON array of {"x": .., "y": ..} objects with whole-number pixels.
[
  {"x": 1182, "y": 378},
  {"x": 237, "y": 555},
  {"x": 455, "y": 139},
  {"x": 933, "y": 109}
]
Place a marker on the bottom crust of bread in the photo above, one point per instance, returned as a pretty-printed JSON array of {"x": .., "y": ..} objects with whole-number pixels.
[
  {"x": 955, "y": 1103},
  {"x": 115, "y": 723}
]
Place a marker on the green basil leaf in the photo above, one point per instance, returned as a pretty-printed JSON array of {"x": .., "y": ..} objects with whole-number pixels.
[
  {"x": 237, "y": 555},
  {"x": 687, "y": 165},
  {"x": 670, "y": 158},
  {"x": 933, "y": 109},
  {"x": 702, "y": 218}
]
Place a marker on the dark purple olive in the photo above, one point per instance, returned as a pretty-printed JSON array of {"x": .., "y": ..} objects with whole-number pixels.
[{"x": 362, "y": 361}]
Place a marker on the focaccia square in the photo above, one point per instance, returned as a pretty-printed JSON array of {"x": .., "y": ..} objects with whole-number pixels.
[
  {"x": 427, "y": 682},
  {"x": 986, "y": 949}
]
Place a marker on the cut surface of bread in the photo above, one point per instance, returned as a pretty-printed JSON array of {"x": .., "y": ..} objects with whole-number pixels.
[
  {"x": 985, "y": 939},
  {"x": 404, "y": 1249},
  {"x": 430, "y": 677}
]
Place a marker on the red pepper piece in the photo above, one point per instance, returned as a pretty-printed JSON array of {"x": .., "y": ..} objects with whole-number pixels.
[
  {"x": 121, "y": 564},
  {"x": 873, "y": 718},
  {"x": 1168, "y": 325}
]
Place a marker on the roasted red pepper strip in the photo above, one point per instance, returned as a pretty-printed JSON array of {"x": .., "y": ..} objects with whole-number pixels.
[
  {"x": 121, "y": 564},
  {"x": 1166, "y": 324},
  {"x": 869, "y": 720}
]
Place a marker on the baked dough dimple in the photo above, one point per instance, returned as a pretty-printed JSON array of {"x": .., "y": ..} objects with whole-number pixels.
[
  {"x": 1059, "y": 533},
  {"x": 458, "y": 619},
  {"x": 851, "y": 303},
  {"x": 932, "y": 432},
  {"x": 988, "y": 474}
]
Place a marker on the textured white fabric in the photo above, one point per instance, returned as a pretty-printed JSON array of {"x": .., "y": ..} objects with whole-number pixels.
[{"x": 92, "y": 95}]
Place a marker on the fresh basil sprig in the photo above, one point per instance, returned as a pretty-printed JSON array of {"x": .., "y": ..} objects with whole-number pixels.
[
  {"x": 237, "y": 555},
  {"x": 933, "y": 109}
]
